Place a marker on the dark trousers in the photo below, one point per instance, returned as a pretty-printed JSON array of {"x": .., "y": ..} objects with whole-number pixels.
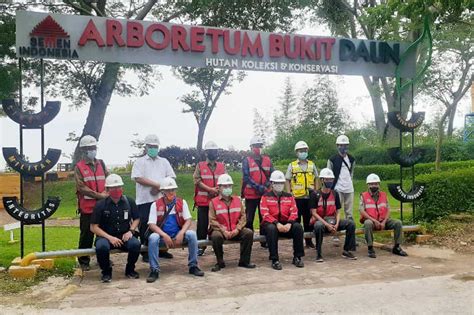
[
  {"x": 251, "y": 206},
  {"x": 245, "y": 237},
  {"x": 296, "y": 233},
  {"x": 304, "y": 211},
  {"x": 86, "y": 237},
  {"x": 347, "y": 225},
  {"x": 202, "y": 222},
  {"x": 102, "y": 250},
  {"x": 144, "y": 212}
]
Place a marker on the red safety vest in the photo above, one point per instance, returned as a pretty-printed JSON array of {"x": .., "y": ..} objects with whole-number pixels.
[
  {"x": 257, "y": 175},
  {"x": 282, "y": 209},
  {"x": 93, "y": 180},
  {"x": 331, "y": 209},
  {"x": 376, "y": 210},
  {"x": 209, "y": 178},
  {"x": 227, "y": 216},
  {"x": 161, "y": 210}
]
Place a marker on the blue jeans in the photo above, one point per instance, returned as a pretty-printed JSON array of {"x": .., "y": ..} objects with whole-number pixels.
[{"x": 155, "y": 241}]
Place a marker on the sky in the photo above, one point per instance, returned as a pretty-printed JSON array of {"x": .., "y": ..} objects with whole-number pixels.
[{"x": 160, "y": 112}]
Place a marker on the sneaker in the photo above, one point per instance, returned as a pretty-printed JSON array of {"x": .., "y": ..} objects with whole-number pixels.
[
  {"x": 319, "y": 259},
  {"x": 348, "y": 255},
  {"x": 165, "y": 254},
  {"x": 298, "y": 262},
  {"x": 247, "y": 265},
  {"x": 153, "y": 276},
  {"x": 196, "y": 271},
  {"x": 372, "y": 253},
  {"x": 397, "y": 250},
  {"x": 277, "y": 265},
  {"x": 201, "y": 251},
  {"x": 106, "y": 278},
  {"x": 132, "y": 275},
  {"x": 218, "y": 266},
  {"x": 309, "y": 243},
  {"x": 335, "y": 241}
]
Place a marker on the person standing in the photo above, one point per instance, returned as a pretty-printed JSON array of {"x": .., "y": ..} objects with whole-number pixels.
[
  {"x": 256, "y": 169},
  {"x": 301, "y": 180},
  {"x": 205, "y": 178},
  {"x": 89, "y": 174},
  {"x": 147, "y": 172}
]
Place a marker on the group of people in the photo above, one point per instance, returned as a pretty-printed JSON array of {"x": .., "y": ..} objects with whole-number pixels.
[{"x": 289, "y": 204}]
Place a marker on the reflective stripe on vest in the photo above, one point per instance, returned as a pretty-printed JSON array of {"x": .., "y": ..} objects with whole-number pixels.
[
  {"x": 258, "y": 175},
  {"x": 208, "y": 178},
  {"x": 301, "y": 181},
  {"x": 94, "y": 180},
  {"x": 331, "y": 209},
  {"x": 161, "y": 209},
  {"x": 227, "y": 216},
  {"x": 376, "y": 210}
]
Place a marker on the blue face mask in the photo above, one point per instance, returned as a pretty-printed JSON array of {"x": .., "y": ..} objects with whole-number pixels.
[
  {"x": 302, "y": 155},
  {"x": 343, "y": 150},
  {"x": 152, "y": 152},
  {"x": 328, "y": 184}
]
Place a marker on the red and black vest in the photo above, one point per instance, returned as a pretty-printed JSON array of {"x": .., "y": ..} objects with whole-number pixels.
[
  {"x": 93, "y": 180},
  {"x": 161, "y": 209},
  {"x": 278, "y": 208},
  {"x": 258, "y": 174},
  {"x": 377, "y": 210},
  {"x": 327, "y": 207},
  {"x": 209, "y": 178},
  {"x": 228, "y": 216}
]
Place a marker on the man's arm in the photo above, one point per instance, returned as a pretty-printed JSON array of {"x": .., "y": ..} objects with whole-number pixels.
[
  {"x": 243, "y": 218},
  {"x": 83, "y": 189},
  {"x": 265, "y": 211},
  {"x": 246, "y": 176},
  {"x": 288, "y": 176},
  {"x": 316, "y": 178},
  {"x": 213, "y": 220}
]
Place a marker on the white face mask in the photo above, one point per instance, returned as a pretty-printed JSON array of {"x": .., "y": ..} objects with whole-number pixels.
[
  {"x": 278, "y": 187},
  {"x": 91, "y": 154}
]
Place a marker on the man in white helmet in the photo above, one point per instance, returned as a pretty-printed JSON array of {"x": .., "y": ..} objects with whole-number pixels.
[
  {"x": 114, "y": 222},
  {"x": 227, "y": 219},
  {"x": 256, "y": 170},
  {"x": 325, "y": 206},
  {"x": 205, "y": 178},
  {"x": 342, "y": 164},
  {"x": 375, "y": 215},
  {"x": 147, "y": 172},
  {"x": 301, "y": 180},
  {"x": 89, "y": 174},
  {"x": 169, "y": 223}
]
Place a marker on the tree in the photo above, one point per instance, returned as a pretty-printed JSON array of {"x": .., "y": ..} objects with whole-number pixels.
[
  {"x": 9, "y": 73},
  {"x": 284, "y": 121},
  {"x": 261, "y": 126}
]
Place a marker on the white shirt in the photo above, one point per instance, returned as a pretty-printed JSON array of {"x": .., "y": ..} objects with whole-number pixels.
[
  {"x": 154, "y": 169},
  {"x": 152, "y": 218},
  {"x": 344, "y": 182}
]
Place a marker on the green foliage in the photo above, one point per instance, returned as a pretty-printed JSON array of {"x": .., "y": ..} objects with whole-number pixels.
[
  {"x": 9, "y": 74},
  {"x": 446, "y": 192}
]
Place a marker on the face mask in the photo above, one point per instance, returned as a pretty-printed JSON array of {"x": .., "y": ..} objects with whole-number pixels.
[
  {"x": 342, "y": 150},
  {"x": 227, "y": 191},
  {"x": 302, "y": 155},
  {"x": 152, "y": 152},
  {"x": 278, "y": 187},
  {"x": 91, "y": 154},
  {"x": 211, "y": 155},
  {"x": 170, "y": 195},
  {"x": 256, "y": 151},
  {"x": 328, "y": 184},
  {"x": 373, "y": 189},
  {"x": 116, "y": 193}
]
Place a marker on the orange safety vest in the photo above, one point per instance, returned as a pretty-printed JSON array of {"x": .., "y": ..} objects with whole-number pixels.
[
  {"x": 209, "y": 178},
  {"x": 93, "y": 180},
  {"x": 258, "y": 175},
  {"x": 330, "y": 210},
  {"x": 376, "y": 210},
  {"x": 161, "y": 209},
  {"x": 227, "y": 215}
]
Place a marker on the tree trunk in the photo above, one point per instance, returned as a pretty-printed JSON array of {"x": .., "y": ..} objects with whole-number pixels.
[
  {"x": 439, "y": 142},
  {"x": 452, "y": 114},
  {"x": 373, "y": 87},
  {"x": 200, "y": 139}
]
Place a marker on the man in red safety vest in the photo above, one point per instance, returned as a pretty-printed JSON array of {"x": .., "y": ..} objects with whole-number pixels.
[
  {"x": 375, "y": 215},
  {"x": 205, "y": 180},
  {"x": 89, "y": 175}
]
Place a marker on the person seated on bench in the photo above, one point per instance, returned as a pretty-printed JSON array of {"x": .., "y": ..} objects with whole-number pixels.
[
  {"x": 326, "y": 217},
  {"x": 114, "y": 221},
  {"x": 375, "y": 215},
  {"x": 280, "y": 218},
  {"x": 227, "y": 219},
  {"x": 169, "y": 224}
]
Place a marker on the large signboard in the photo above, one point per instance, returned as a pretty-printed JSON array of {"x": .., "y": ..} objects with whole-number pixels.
[{"x": 58, "y": 36}]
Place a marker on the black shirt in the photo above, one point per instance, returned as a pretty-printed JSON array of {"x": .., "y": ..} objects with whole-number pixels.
[
  {"x": 314, "y": 199},
  {"x": 115, "y": 219}
]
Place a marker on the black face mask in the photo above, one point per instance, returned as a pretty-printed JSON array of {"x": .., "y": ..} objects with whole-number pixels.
[
  {"x": 328, "y": 184},
  {"x": 373, "y": 189},
  {"x": 212, "y": 155}
]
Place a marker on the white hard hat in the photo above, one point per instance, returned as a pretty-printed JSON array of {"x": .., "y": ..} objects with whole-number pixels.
[
  {"x": 301, "y": 145},
  {"x": 256, "y": 140},
  {"x": 326, "y": 173},
  {"x": 373, "y": 178},
  {"x": 277, "y": 177},
  {"x": 87, "y": 141},
  {"x": 152, "y": 140},
  {"x": 168, "y": 183},
  {"x": 225, "y": 179},
  {"x": 113, "y": 180},
  {"x": 211, "y": 145},
  {"x": 342, "y": 139}
]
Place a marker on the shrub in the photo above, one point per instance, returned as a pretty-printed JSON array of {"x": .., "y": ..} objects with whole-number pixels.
[{"x": 446, "y": 192}]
